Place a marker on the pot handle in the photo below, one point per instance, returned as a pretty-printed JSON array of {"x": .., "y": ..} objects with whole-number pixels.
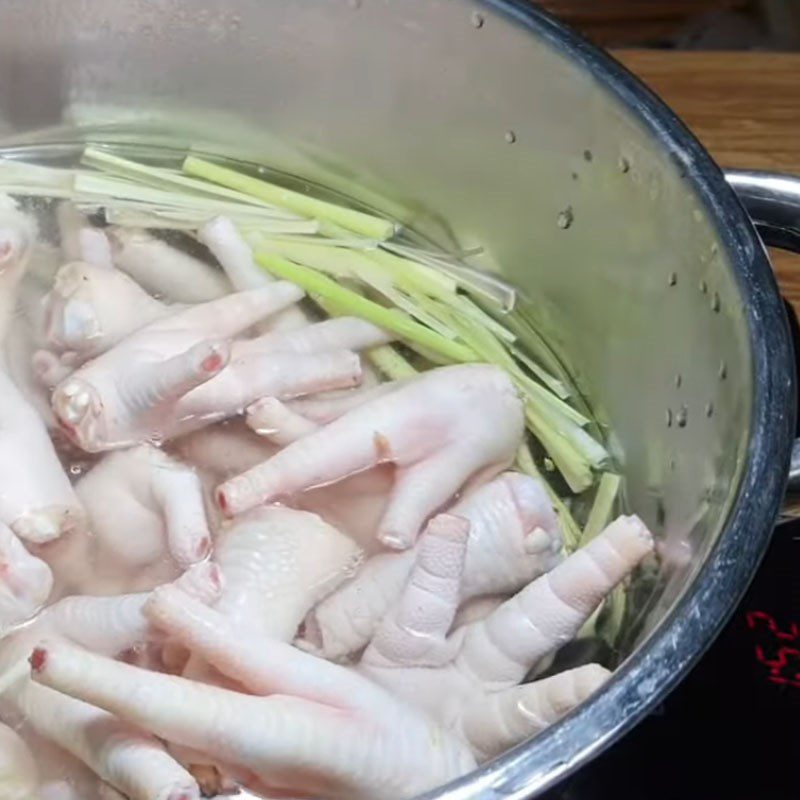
[{"x": 772, "y": 200}]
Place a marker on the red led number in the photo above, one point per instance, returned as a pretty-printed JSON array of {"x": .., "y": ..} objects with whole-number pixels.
[{"x": 783, "y": 661}]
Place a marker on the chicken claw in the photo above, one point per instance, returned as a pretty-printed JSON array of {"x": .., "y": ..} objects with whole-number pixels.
[
  {"x": 440, "y": 430},
  {"x": 135, "y": 391},
  {"x": 91, "y": 308},
  {"x": 306, "y": 726},
  {"x": 163, "y": 270},
  {"x": 514, "y": 538},
  {"x": 36, "y": 499},
  {"x": 277, "y": 564},
  {"x": 147, "y": 519},
  {"x": 18, "y": 776},
  {"x": 25, "y": 582},
  {"x": 468, "y": 680}
]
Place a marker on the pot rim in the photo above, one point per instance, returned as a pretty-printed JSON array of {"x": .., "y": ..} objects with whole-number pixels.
[{"x": 656, "y": 667}]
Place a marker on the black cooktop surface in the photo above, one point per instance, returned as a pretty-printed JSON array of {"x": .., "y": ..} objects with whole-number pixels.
[{"x": 731, "y": 730}]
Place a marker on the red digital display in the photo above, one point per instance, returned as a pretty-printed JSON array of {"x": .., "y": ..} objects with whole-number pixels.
[{"x": 777, "y": 648}]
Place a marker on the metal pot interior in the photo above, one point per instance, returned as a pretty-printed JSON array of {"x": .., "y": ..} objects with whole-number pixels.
[{"x": 477, "y": 129}]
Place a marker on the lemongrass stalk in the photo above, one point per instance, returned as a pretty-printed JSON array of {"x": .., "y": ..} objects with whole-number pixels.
[
  {"x": 160, "y": 178},
  {"x": 34, "y": 180},
  {"x": 477, "y": 338},
  {"x": 477, "y": 283},
  {"x": 612, "y": 617},
  {"x": 590, "y": 450},
  {"x": 105, "y": 190},
  {"x": 570, "y": 530},
  {"x": 476, "y": 314},
  {"x": 358, "y": 221},
  {"x": 424, "y": 278},
  {"x": 412, "y": 308},
  {"x": 175, "y": 220},
  {"x": 341, "y": 262},
  {"x": 557, "y": 387},
  {"x": 483, "y": 341},
  {"x": 388, "y": 361},
  {"x": 539, "y": 394},
  {"x": 571, "y": 463},
  {"x": 315, "y": 283},
  {"x": 324, "y": 255},
  {"x": 602, "y": 507},
  {"x": 529, "y": 338}
]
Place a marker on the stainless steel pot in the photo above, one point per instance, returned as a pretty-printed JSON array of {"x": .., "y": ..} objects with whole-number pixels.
[{"x": 488, "y": 123}]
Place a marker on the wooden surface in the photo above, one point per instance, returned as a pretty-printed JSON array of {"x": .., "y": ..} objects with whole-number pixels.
[
  {"x": 745, "y": 108},
  {"x": 644, "y": 21}
]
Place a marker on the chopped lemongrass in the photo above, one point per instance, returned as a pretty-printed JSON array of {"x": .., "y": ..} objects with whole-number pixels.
[
  {"x": 387, "y": 360},
  {"x": 358, "y": 221},
  {"x": 408, "y": 305},
  {"x": 528, "y": 337},
  {"x": 477, "y": 315},
  {"x": 34, "y": 180},
  {"x": 603, "y": 506},
  {"x": 426, "y": 279},
  {"x": 168, "y": 180},
  {"x": 556, "y": 386},
  {"x": 541, "y": 395},
  {"x": 570, "y": 530},
  {"x": 167, "y": 219},
  {"x": 384, "y": 278},
  {"x": 479, "y": 283},
  {"x": 106, "y": 191},
  {"x": 571, "y": 463},
  {"x": 613, "y": 615},
  {"x": 316, "y": 283}
]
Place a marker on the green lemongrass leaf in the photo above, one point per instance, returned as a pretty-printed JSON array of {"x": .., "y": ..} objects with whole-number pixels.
[
  {"x": 477, "y": 283},
  {"x": 165, "y": 179},
  {"x": 541, "y": 395},
  {"x": 357, "y": 221},
  {"x": 171, "y": 219},
  {"x": 602, "y": 507},
  {"x": 408, "y": 272},
  {"x": 107, "y": 191},
  {"x": 330, "y": 230},
  {"x": 34, "y": 180},
  {"x": 340, "y": 262},
  {"x": 477, "y": 339},
  {"x": 570, "y": 530},
  {"x": 316, "y": 283},
  {"x": 413, "y": 309},
  {"x": 591, "y": 451},
  {"x": 612, "y": 616},
  {"x": 390, "y": 363},
  {"x": 529, "y": 338},
  {"x": 556, "y": 386},
  {"x": 477, "y": 315},
  {"x": 570, "y": 461}
]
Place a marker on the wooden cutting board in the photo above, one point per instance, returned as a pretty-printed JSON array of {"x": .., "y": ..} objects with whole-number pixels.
[{"x": 745, "y": 108}]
